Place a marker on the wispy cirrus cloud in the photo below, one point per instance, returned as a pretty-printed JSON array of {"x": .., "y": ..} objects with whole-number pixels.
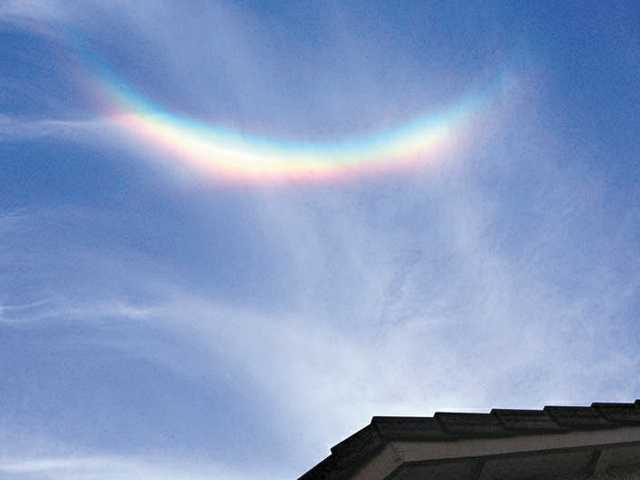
[
  {"x": 116, "y": 468},
  {"x": 17, "y": 129},
  {"x": 376, "y": 319},
  {"x": 33, "y": 10}
]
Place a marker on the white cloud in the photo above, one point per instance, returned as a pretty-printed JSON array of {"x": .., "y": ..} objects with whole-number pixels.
[
  {"x": 432, "y": 316},
  {"x": 33, "y": 9},
  {"x": 119, "y": 468},
  {"x": 12, "y": 128}
]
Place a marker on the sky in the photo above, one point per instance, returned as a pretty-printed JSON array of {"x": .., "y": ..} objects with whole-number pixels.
[{"x": 231, "y": 232}]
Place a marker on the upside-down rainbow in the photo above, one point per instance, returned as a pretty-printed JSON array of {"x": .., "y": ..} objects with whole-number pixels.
[{"x": 241, "y": 158}]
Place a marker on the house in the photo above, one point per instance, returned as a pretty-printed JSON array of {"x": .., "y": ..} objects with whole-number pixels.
[{"x": 599, "y": 442}]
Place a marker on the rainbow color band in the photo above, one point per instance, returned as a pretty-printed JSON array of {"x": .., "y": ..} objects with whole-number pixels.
[{"x": 230, "y": 156}]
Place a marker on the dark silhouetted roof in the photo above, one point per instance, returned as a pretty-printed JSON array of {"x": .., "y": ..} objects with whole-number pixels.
[{"x": 350, "y": 454}]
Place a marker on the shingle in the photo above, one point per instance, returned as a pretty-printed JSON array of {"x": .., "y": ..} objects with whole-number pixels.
[
  {"x": 527, "y": 421},
  {"x": 471, "y": 424},
  {"x": 409, "y": 428},
  {"x": 578, "y": 418},
  {"x": 624, "y": 413}
]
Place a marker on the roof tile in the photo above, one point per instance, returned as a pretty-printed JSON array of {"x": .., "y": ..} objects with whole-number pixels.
[
  {"x": 347, "y": 455},
  {"x": 624, "y": 413},
  {"x": 527, "y": 421},
  {"x": 361, "y": 440},
  {"x": 471, "y": 424},
  {"x": 409, "y": 428},
  {"x": 578, "y": 418}
]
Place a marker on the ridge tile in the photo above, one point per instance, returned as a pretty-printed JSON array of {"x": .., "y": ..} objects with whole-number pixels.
[
  {"x": 578, "y": 418},
  {"x": 472, "y": 424},
  {"x": 625, "y": 413},
  {"x": 409, "y": 428},
  {"x": 527, "y": 421}
]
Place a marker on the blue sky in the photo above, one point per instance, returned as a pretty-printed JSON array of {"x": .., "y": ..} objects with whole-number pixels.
[{"x": 160, "y": 322}]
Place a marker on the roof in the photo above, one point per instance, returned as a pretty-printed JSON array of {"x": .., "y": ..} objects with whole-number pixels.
[{"x": 389, "y": 446}]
